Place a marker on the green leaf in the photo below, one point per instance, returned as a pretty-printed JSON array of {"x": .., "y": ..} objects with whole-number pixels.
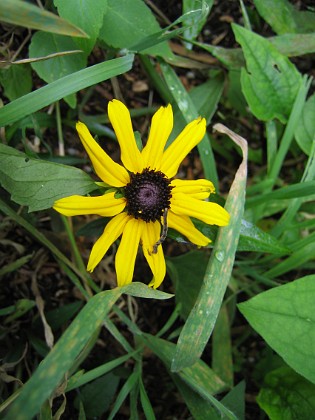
[
  {"x": 301, "y": 189},
  {"x": 189, "y": 113},
  {"x": 16, "y": 81},
  {"x": 38, "y": 184},
  {"x": 90, "y": 20},
  {"x": 22, "y": 13},
  {"x": 199, "y": 377},
  {"x": 235, "y": 400},
  {"x": 252, "y": 238},
  {"x": 305, "y": 132},
  {"x": 98, "y": 395},
  {"x": 271, "y": 82},
  {"x": 285, "y": 18},
  {"x": 21, "y": 307},
  {"x": 126, "y": 23},
  {"x": 284, "y": 317},
  {"x": 207, "y": 95},
  {"x": 43, "y": 44},
  {"x": 297, "y": 259},
  {"x": 63, "y": 87},
  {"x": 287, "y": 395},
  {"x": 196, "y": 23},
  {"x": 141, "y": 290},
  {"x": 54, "y": 367}
]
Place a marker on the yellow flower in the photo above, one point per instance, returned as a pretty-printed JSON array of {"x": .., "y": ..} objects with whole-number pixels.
[{"x": 146, "y": 194}]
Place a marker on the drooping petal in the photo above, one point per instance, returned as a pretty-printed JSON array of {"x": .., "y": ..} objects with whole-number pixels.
[
  {"x": 120, "y": 119},
  {"x": 103, "y": 205},
  {"x": 112, "y": 231},
  {"x": 185, "y": 226},
  {"x": 207, "y": 212},
  {"x": 150, "y": 235},
  {"x": 127, "y": 251},
  {"x": 181, "y": 146},
  {"x": 199, "y": 188},
  {"x": 161, "y": 127},
  {"x": 109, "y": 171}
]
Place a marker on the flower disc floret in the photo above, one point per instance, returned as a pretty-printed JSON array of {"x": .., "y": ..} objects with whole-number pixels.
[{"x": 148, "y": 194}]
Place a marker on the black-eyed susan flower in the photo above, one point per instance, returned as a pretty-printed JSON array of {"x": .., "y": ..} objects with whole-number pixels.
[{"x": 144, "y": 194}]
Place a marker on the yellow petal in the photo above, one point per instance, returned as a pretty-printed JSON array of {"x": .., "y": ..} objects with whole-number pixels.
[
  {"x": 109, "y": 171},
  {"x": 120, "y": 119},
  {"x": 127, "y": 252},
  {"x": 103, "y": 205},
  {"x": 200, "y": 188},
  {"x": 185, "y": 226},
  {"x": 210, "y": 213},
  {"x": 150, "y": 235},
  {"x": 161, "y": 127},
  {"x": 181, "y": 146},
  {"x": 112, "y": 231}
]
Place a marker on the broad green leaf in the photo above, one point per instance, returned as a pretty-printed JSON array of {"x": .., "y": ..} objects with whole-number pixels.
[
  {"x": 284, "y": 317},
  {"x": 195, "y": 24},
  {"x": 126, "y": 23},
  {"x": 285, "y": 18},
  {"x": 142, "y": 290},
  {"x": 22, "y": 13},
  {"x": 38, "y": 184},
  {"x": 294, "y": 45},
  {"x": 200, "y": 323},
  {"x": 87, "y": 15},
  {"x": 16, "y": 81},
  {"x": 54, "y": 367},
  {"x": 287, "y": 395},
  {"x": 235, "y": 400},
  {"x": 305, "y": 132},
  {"x": 270, "y": 82},
  {"x": 43, "y": 44},
  {"x": 63, "y": 87}
]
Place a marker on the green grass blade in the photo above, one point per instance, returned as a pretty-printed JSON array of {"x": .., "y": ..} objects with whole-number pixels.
[
  {"x": 97, "y": 372},
  {"x": 57, "y": 90},
  {"x": 125, "y": 390},
  {"x": 52, "y": 369},
  {"x": 189, "y": 112},
  {"x": 200, "y": 323},
  {"x": 22, "y": 13}
]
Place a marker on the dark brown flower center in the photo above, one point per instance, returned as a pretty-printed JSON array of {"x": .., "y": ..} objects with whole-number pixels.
[{"x": 148, "y": 194}]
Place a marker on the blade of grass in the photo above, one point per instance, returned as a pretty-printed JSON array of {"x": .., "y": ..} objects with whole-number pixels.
[
  {"x": 289, "y": 214},
  {"x": 97, "y": 372},
  {"x": 22, "y": 13},
  {"x": 200, "y": 323},
  {"x": 125, "y": 390},
  {"x": 60, "y": 88},
  {"x": 189, "y": 112}
]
